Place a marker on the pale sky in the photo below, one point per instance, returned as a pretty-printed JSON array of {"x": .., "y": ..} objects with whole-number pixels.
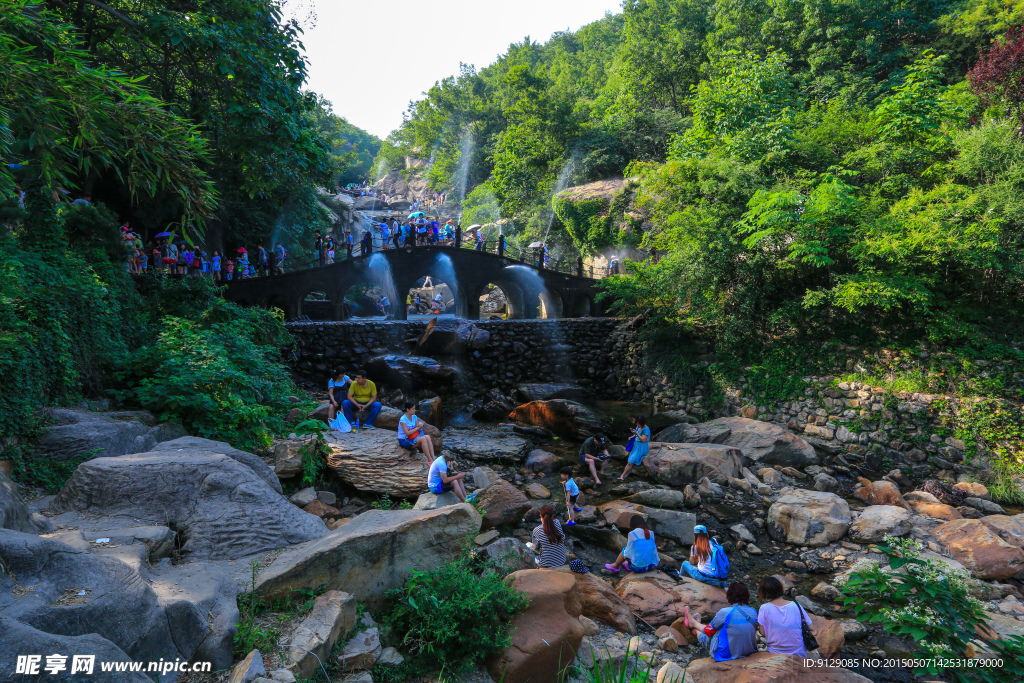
[{"x": 371, "y": 58}]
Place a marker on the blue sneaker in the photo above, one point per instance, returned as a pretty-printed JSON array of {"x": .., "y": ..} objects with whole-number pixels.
[
  {"x": 470, "y": 498},
  {"x": 577, "y": 509},
  {"x": 570, "y": 523}
]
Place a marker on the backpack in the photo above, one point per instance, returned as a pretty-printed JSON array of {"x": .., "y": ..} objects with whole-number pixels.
[
  {"x": 723, "y": 653},
  {"x": 719, "y": 562}
]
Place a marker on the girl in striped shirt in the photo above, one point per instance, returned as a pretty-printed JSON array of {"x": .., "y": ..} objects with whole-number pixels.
[{"x": 549, "y": 540}]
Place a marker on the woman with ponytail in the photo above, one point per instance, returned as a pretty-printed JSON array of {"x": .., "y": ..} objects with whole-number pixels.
[
  {"x": 700, "y": 566},
  {"x": 549, "y": 540}
]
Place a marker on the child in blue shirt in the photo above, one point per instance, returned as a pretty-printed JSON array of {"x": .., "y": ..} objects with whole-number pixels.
[{"x": 572, "y": 495}]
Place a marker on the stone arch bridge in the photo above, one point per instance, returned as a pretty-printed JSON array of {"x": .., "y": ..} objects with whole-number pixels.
[{"x": 525, "y": 286}]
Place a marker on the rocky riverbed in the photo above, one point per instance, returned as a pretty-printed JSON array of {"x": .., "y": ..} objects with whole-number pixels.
[{"x": 145, "y": 552}]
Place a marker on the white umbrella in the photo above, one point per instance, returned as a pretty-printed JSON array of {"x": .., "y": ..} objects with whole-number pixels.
[
  {"x": 475, "y": 226},
  {"x": 534, "y": 245}
]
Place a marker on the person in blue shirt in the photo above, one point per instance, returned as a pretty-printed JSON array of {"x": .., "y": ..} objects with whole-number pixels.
[
  {"x": 733, "y": 632},
  {"x": 215, "y": 264},
  {"x": 336, "y": 390},
  {"x": 640, "y": 553},
  {"x": 572, "y": 494},
  {"x": 641, "y": 446},
  {"x": 412, "y": 433}
]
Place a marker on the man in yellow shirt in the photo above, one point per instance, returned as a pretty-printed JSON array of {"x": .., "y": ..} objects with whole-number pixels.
[{"x": 362, "y": 395}]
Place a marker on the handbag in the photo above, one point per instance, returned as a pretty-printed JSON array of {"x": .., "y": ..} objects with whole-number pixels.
[
  {"x": 810, "y": 642},
  {"x": 629, "y": 444}
]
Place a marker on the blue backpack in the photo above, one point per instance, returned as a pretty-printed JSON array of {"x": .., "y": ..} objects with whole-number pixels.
[{"x": 719, "y": 561}]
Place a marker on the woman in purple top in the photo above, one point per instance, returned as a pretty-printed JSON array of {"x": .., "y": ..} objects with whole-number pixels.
[{"x": 780, "y": 620}]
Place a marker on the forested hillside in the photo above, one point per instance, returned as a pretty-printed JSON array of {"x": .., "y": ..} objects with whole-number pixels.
[
  {"x": 186, "y": 117},
  {"x": 797, "y": 167}
]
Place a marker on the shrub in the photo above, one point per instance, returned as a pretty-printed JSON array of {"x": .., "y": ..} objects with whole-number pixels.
[
  {"x": 930, "y": 602},
  {"x": 220, "y": 375},
  {"x": 453, "y": 617}
]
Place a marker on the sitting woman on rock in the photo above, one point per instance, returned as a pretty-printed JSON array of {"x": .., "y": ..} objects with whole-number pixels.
[
  {"x": 781, "y": 621},
  {"x": 640, "y": 553},
  {"x": 549, "y": 540},
  {"x": 701, "y": 565},
  {"x": 411, "y": 434},
  {"x": 733, "y": 632}
]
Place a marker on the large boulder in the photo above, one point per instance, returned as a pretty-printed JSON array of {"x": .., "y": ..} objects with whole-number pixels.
[
  {"x": 371, "y": 554},
  {"x": 502, "y": 504},
  {"x": 811, "y": 518},
  {"x": 659, "y": 498},
  {"x": 195, "y": 444},
  {"x": 486, "y": 446},
  {"x": 659, "y": 600},
  {"x": 410, "y": 373},
  {"x": 1010, "y": 529},
  {"x": 13, "y": 512},
  {"x": 66, "y": 591},
  {"x": 540, "y": 462},
  {"x": 450, "y": 336},
  {"x": 762, "y": 442},
  {"x": 878, "y": 521},
  {"x": 980, "y": 549},
  {"x": 765, "y": 667},
  {"x": 668, "y": 523},
  {"x": 371, "y": 460},
  {"x": 881, "y": 492},
  {"x": 565, "y": 418},
  {"x": 600, "y": 602},
  {"x": 288, "y": 458},
  {"x": 829, "y": 634},
  {"x": 526, "y": 393},
  {"x": 218, "y": 506},
  {"x": 509, "y": 555},
  {"x": 75, "y": 433},
  {"x": 546, "y": 637},
  {"x": 18, "y": 639},
  {"x": 681, "y": 464}
]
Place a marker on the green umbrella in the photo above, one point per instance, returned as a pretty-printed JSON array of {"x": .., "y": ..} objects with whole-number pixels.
[{"x": 417, "y": 214}]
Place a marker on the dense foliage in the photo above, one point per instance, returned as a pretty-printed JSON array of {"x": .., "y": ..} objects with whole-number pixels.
[
  {"x": 452, "y": 617},
  {"x": 218, "y": 373},
  {"x": 798, "y": 168},
  {"x": 932, "y": 604},
  {"x": 158, "y": 109}
]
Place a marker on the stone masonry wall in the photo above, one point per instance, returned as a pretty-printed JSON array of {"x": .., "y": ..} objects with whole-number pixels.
[{"x": 861, "y": 423}]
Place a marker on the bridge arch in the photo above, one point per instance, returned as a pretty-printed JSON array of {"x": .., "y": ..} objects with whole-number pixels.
[{"x": 531, "y": 292}]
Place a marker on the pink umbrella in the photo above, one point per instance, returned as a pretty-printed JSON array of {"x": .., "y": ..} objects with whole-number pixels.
[{"x": 242, "y": 250}]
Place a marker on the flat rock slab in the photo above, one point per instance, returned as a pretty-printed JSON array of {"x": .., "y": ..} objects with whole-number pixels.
[
  {"x": 371, "y": 460},
  {"x": 680, "y": 464},
  {"x": 194, "y": 444},
  {"x": 548, "y": 391},
  {"x": 765, "y": 667},
  {"x": 808, "y": 518},
  {"x": 761, "y": 442},
  {"x": 83, "y": 432},
  {"x": 486, "y": 446},
  {"x": 219, "y": 506},
  {"x": 371, "y": 554},
  {"x": 17, "y": 639},
  {"x": 13, "y": 512}
]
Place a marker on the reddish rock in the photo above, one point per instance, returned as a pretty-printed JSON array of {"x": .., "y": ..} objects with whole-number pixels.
[
  {"x": 600, "y": 602},
  {"x": 322, "y": 510},
  {"x": 936, "y": 510},
  {"x": 565, "y": 418},
  {"x": 546, "y": 637},
  {"x": 1010, "y": 529},
  {"x": 659, "y": 600},
  {"x": 976, "y": 546},
  {"x": 765, "y": 667},
  {"x": 880, "y": 492},
  {"x": 829, "y": 634},
  {"x": 681, "y": 464},
  {"x": 501, "y": 503}
]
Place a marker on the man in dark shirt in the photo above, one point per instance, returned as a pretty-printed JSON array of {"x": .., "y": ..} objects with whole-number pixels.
[
  {"x": 594, "y": 454},
  {"x": 318, "y": 247}
]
